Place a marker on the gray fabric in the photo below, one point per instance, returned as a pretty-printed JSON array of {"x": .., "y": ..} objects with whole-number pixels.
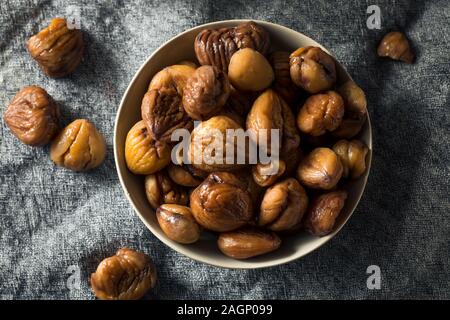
[{"x": 52, "y": 219}]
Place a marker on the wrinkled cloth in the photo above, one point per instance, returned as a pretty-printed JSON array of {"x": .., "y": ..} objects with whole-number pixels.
[{"x": 56, "y": 224}]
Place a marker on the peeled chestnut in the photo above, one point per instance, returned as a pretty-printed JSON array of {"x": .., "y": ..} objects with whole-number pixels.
[
  {"x": 320, "y": 169},
  {"x": 57, "y": 49},
  {"x": 178, "y": 223},
  {"x": 215, "y": 47},
  {"x": 312, "y": 69},
  {"x": 222, "y": 202},
  {"x": 355, "y": 105},
  {"x": 209, "y": 143},
  {"x": 163, "y": 113},
  {"x": 79, "y": 146},
  {"x": 247, "y": 242},
  {"x": 33, "y": 116},
  {"x": 249, "y": 70},
  {"x": 322, "y": 214},
  {"x": 353, "y": 157},
  {"x": 262, "y": 173},
  {"x": 186, "y": 175},
  {"x": 283, "y": 84},
  {"x": 128, "y": 275},
  {"x": 269, "y": 112},
  {"x": 206, "y": 92},
  {"x": 174, "y": 77},
  {"x": 283, "y": 205},
  {"x": 321, "y": 113},
  {"x": 160, "y": 189},
  {"x": 143, "y": 154},
  {"x": 396, "y": 46}
]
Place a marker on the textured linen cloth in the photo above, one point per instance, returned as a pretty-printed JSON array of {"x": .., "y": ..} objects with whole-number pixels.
[{"x": 54, "y": 223}]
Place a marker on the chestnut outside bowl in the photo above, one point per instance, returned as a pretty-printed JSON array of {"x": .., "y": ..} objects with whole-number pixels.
[{"x": 180, "y": 48}]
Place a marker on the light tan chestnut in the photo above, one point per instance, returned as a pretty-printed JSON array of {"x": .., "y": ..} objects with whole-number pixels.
[
  {"x": 127, "y": 275},
  {"x": 321, "y": 113},
  {"x": 249, "y": 70},
  {"x": 312, "y": 69},
  {"x": 283, "y": 205},
  {"x": 353, "y": 157},
  {"x": 355, "y": 105},
  {"x": 323, "y": 212},
  {"x": 172, "y": 77},
  {"x": 206, "y": 92},
  {"x": 205, "y": 157},
  {"x": 143, "y": 154},
  {"x": 265, "y": 179},
  {"x": 320, "y": 169},
  {"x": 248, "y": 242},
  {"x": 160, "y": 189},
  {"x": 79, "y": 146},
  {"x": 222, "y": 202},
  {"x": 178, "y": 223}
]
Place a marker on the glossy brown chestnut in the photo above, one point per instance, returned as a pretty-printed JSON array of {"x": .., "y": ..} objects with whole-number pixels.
[
  {"x": 206, "y": 92},
  {"x": 57, "y": 49},
  {"x": 178, "y": 223},
  {"x": 323, "y": 212},
  {"x": 283, "y": 205},
  {"x": 247, "y": 242},
  {"x": 353, "y": 157},
  {"x": 396, "y": 46},
  {"x": 127, "y": 275},
  {"x": 321, "y": 113},
  {"x": 221, "y": 203},
  {"x": 33, "y": 116},
  {"x": 312, "y": 69},
  {"x": 320, "y": 169},
  {"x": 160, "y": 189}
]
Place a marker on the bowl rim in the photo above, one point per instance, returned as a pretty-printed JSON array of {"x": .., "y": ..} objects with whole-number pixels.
[{"x": 199, "y": 258}]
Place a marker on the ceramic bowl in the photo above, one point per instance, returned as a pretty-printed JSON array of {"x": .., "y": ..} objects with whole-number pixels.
[{"x": 181, "y": 48}]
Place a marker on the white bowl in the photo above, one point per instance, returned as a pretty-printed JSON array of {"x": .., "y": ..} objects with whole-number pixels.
[{"x": 181, "y": 48}]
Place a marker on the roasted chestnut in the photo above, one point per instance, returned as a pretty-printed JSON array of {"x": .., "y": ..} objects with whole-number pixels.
[
  {"x": 353, "y": 157},
  {"x": 33, "y": 116},
  {"x": 283, "y": 84},
  {"x": 174, "y": 76},
  {"x": 143, "y": 154},
  {"x": 321, "y": 113},
  {"x": 396, "y": 46},
  {"x": 206, "y": 92},
  {"x": 312, "y": 69},
  {"x": 186, "y": 175},
  {"x": 163, "y": 113},
  {"x": 160, "y": 189},
  {"x": 320, "y": 169},
  {"x": 209, "y": 144},
  {"x": 128, "y": 275},
  {"x": 283, "y": 205},
  {"x": 322, "y": 214},
  {"x": 78, "y": 147},
  {"x": 215, "y": 47},
  {"x": 355, "y": 105},
  {"x": 265, "y": 179},
  {"x": 178, "y": 223},
  {"x": 57, "y": 49},
  {"x": 222, "y": 203},
  {"x": 249, "y": 70},
  {"x": 247, "y": 242},
  {"x": 269, "y": 112}
]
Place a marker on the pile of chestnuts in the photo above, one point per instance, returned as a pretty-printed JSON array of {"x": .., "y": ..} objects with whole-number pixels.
[{"x": 242, "y": 84}]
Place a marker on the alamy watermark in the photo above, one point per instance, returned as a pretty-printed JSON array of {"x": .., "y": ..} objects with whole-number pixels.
[
  {"x": 374, "y": 20},
  {"x": 73, "y": 17},
  {"x": 374, "y": 280}
]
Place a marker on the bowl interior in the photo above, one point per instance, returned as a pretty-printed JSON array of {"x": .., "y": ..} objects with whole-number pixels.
[{"x": 181, "y": 48}]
